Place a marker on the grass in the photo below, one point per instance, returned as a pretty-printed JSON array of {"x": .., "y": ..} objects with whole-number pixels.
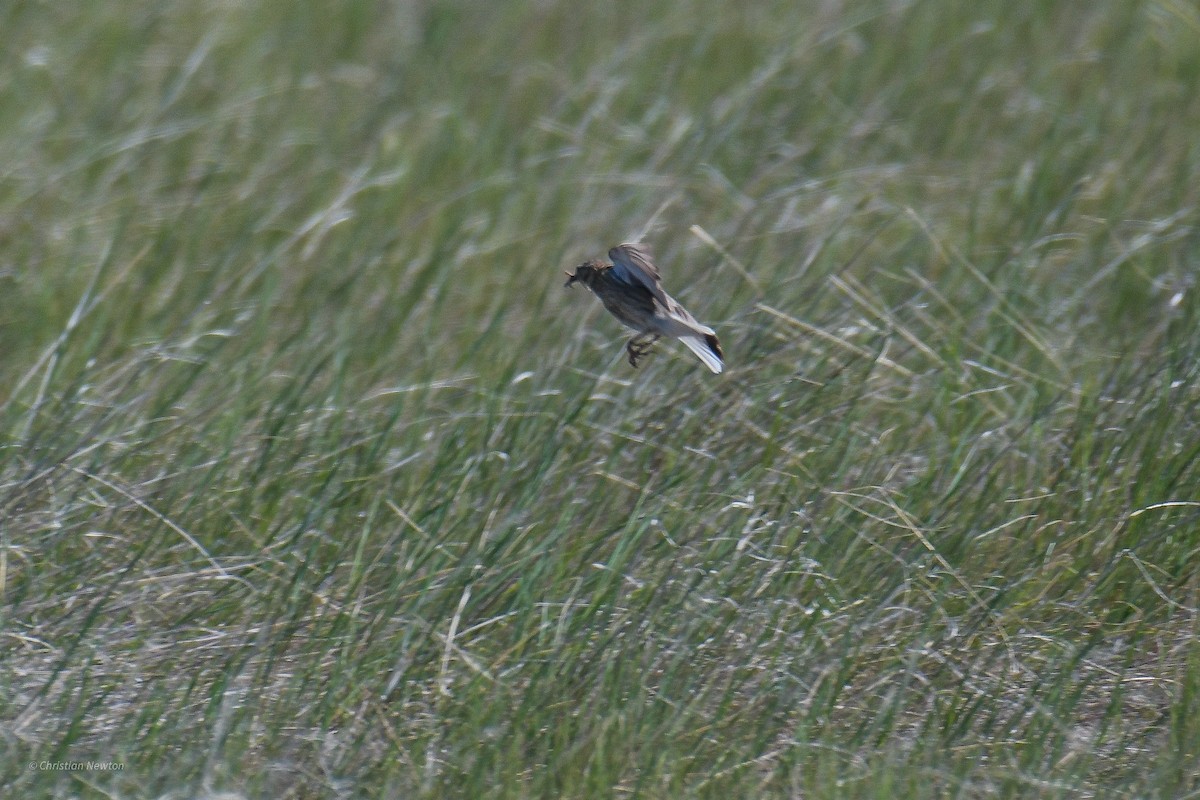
[{"x": 314, "y": 482}]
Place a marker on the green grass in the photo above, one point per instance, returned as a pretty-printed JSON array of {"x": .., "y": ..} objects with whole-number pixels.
[{"x": 315, "y": 482}]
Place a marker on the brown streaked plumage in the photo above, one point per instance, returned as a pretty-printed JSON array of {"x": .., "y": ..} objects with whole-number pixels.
[{"x": 631, "y": 289}]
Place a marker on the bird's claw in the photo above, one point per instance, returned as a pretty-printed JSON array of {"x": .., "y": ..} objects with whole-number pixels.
[{"x": 638, "y": 349}]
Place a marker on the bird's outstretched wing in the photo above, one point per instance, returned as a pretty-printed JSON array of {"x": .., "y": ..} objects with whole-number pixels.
[{"x": 633, "y": 265}]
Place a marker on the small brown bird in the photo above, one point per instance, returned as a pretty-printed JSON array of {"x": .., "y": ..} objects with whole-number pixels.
[{"x": 631, "y": 289}]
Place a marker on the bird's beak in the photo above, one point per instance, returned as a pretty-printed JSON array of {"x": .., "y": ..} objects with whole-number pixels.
[{"x": 570, "y": 279}]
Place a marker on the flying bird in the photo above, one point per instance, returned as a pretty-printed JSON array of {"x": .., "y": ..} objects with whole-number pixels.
[{"x": 631, "y": 289}]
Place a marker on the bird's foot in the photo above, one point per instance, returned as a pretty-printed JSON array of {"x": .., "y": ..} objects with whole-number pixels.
[{"x": 638, "y": 348}]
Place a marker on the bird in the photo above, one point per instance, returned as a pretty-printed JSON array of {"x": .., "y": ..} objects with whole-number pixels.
[{"x": 630, "y": 287}]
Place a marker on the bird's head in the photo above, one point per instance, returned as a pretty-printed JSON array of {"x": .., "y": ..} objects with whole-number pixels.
[{"x": 586, "y": 272}]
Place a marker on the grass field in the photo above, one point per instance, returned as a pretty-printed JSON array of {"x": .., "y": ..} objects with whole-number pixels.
[{"x": 315, "y": 482}]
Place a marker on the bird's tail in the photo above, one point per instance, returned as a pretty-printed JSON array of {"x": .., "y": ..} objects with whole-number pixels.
[{"x": 707, "y": 348}]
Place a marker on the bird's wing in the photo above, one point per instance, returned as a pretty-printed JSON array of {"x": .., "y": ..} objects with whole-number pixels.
[{"x": 632, "y": 265}]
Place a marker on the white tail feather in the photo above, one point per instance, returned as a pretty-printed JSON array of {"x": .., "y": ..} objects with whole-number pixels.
[{"x": 701, "y": 349}]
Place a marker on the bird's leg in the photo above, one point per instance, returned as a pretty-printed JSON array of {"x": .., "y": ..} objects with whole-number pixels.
[
  {"x": 639, "y": 346},
  {"x": 635, "y": 351}
]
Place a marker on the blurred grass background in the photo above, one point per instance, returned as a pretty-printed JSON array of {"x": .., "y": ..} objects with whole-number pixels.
[{"x": 314, "y": 482}]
